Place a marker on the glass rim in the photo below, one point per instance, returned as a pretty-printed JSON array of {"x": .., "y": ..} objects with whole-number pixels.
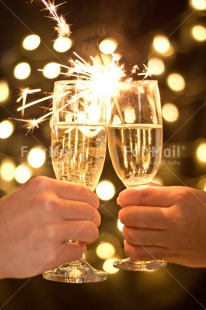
[{"x": 144, "y": 82}]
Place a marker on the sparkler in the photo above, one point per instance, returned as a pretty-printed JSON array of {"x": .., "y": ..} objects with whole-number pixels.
[{"x": 101, "y": 81}]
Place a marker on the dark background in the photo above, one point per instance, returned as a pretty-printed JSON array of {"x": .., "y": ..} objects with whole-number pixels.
[{"x": 135, "y": 23}]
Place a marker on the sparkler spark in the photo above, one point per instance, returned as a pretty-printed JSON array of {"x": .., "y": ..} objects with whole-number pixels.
[
  {"x": 23, "y": 96},
  {"x": 62, "y": 28},
  {"x": 148, "y": 72}
]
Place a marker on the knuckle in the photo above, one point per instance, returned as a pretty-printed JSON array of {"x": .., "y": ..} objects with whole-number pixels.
[
  {"x": 122, "y": 215},
  {"x": 130, "y": 236},
  {"x": 50, "y": 204},
  {"x": 145, "y": 194},
  {"x": 40, "y": 183},
  {"x": 97, "y": 218},
  {"x": 182, "y": 193},
  {"x": 85, "y": 191},
  {"x": 50, "y": 232},
  {"x": 45, "y": 203},
  {"x": 94, "y": 232}
]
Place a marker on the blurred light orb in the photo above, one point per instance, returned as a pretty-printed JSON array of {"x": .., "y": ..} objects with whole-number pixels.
[
  {"x": 22, "y": 71},
  {"x": 161, "y": 44},
  {"x": 51, "y": 70},
  {"x": 22, "y": 174},
  {"x": 202, "y": 183},
  {"x": 176, "y": 82},
  {"x": 199, "y": 33},
  {"x": 201, "y": 152},
  {"x": 108, "y": 46},
  {"x": 198, "y": 4},
  {"x": 31, "y": 42},
  {"x": 108, "y": 266},
  {"x": 36, "y": 157},
  {"x": 4, "y": 91},
  {"x": 7, "y": 170},
  {"x": 120, "y": 225},
  {"x": 6, "y": 129},
  {"x": 62, "y": 44},
  {"x": 156, "y": 65},
  {"x": 158, "y": 180},
  {"x": 105, "y": 190},
  {"x": 170, "y": 112},
  {"x": 105, "y": 250}
]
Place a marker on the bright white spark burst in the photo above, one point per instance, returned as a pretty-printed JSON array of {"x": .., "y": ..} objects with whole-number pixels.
[{"x": 95, "y": 76}]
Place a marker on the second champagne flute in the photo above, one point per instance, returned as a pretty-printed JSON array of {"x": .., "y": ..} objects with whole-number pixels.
[
  {"x": 135, "y": 144},
  {"x": 78, "y": 143}
]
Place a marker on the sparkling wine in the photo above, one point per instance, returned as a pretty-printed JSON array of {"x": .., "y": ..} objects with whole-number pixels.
[
  {"x": 135, "y": 151},
  {"x": 78, "y": 153}
]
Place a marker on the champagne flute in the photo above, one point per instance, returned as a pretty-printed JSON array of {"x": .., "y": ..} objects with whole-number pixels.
[
  {"x": 135, "y": 144},
  {"x": 78, "y": 148}
]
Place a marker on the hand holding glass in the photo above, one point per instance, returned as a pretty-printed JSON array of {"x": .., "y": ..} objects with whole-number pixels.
[
  {"x": 135, "y": 144},
  {"x": 78, "y": 141}
]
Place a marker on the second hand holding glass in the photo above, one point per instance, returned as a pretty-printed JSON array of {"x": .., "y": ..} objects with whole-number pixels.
[{"x": 135, "y": 145}]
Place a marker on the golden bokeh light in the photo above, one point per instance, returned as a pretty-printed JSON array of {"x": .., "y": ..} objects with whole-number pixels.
[
  {"x": 108, "y": 266},
  {"x": 36, "y": 157},
  {"x": 6, "y": 129},
  {"x": 7, "y": 169},
  {"x": 161, "y": 44},
  {"x": 4, "y": 91},
  {"x": 158, "y": 180},
  {"x": 170, "y": 112},
  {"x": 22, "y": 174},
  {"x": 22, "y": 71},
  {"x": 201, "y": 152},
  {"x": 198, "y": 4},
  {"x": 199, "y": 33},
  {"x": 108, "y": 46},
  {"x": 105, "y": 250},
  {"x": 62, "y": 44},
  {"x": 105, "y": 190},
  {"x": 120, "y": 225},
  {"x": 31, "y": 42},
  {"x": 156, "y": 65},
  {"x": 51, "y": 70},
  {"x": 176, "y": 82}
]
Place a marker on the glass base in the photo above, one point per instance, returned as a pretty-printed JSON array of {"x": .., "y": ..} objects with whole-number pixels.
[
  {"x": 75, "y": 272},
  {"x": 130, "y": 265}
]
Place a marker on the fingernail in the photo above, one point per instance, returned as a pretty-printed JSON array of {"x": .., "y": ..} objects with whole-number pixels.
[{"x": 118, "y": 200}]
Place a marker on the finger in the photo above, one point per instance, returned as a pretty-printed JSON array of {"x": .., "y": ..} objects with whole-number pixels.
[
  {"x": 76, "y": 210},
  {"x": 144, "y": 237},
  {"x": 66, "y": 253},
  {"x": 147, "y": 196},
  {"x": 64, "y": 190},
  {"x": 144, "y": 253},
  {"x": 77, "y": 192},
  {"x": 83, "y": 231},
  {"x": 144, "y": 217}
]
